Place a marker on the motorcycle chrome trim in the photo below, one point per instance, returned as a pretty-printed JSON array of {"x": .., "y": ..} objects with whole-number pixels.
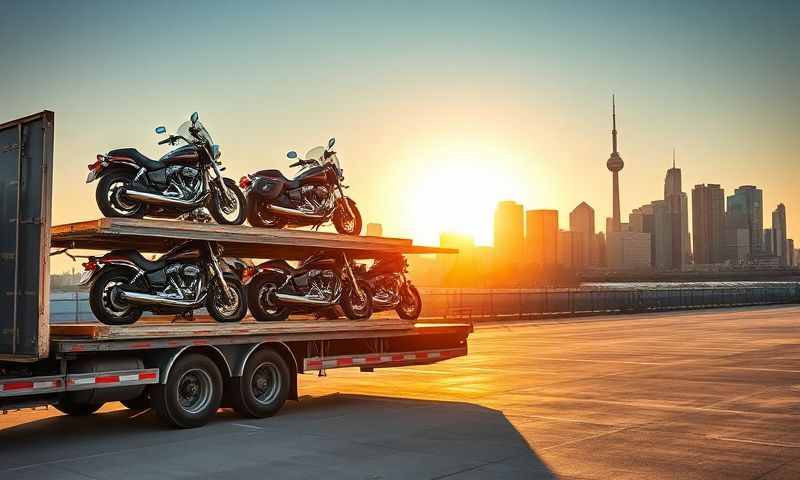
[
  {"x": 301, "y": 300},
  {"x": 157, "y": 199},
  {"x": 356, "y": 288},
  {"x": 214, "y": 264},
  {"x": 295, "y": 213},
  {"x": 150, "y": 299}
]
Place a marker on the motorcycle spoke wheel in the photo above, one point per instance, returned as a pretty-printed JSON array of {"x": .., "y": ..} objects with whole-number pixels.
[{"x": 119, "y": 202}]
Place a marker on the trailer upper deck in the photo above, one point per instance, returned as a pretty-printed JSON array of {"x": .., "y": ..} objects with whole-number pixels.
[{"x": 158, "y": 236}]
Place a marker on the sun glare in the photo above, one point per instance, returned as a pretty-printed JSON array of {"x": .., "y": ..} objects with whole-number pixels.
[{"x": 459, "y": 192}]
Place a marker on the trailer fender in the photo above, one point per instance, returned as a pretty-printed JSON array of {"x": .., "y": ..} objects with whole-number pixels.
[
  {"x": 282, "y": 349},
  {"x": 165, "y": 359}
]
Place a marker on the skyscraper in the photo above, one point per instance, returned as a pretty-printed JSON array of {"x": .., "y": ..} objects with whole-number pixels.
[
  {"x": 746, "y": 211},
  {"x": 615, "y": 164},
  {"x": 509, "y": 233},
  {"x": 678, "y": 211},
  {"x": 708, "y": 223},
  {"x": 779, "y": 234},
  {"x": 541, "y": 237},
  {"x": 581, "y": 223}
]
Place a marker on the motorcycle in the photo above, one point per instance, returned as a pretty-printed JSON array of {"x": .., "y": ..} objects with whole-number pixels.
[
  {"x": 179, "y": 185},
  {"x": 314, "y": 196},
  {"x": 391, "y": 289},
  {"x": 321, "y": 281},
  {"x": 190, "y": 276}
]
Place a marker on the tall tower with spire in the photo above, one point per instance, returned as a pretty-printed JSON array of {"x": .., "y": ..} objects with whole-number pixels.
[{"x": 615, "y": 164}]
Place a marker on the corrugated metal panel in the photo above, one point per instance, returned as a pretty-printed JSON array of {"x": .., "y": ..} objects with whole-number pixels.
[{"x": 26, "y": 160}]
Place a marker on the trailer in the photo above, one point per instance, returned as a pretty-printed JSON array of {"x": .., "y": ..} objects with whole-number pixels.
[{"x": 184, "y": 370}]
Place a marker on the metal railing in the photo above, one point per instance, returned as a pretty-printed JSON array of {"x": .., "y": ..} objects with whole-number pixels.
[{"x": 477, "y": 304}]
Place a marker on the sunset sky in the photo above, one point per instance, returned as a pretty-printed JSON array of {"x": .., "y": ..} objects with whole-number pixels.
[{"x": 440, "y": 109}]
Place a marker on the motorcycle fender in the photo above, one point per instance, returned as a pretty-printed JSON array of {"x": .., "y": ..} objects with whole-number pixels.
[
  {"x": 88, "y": 275},
  {"x": 110, "y": 164}
]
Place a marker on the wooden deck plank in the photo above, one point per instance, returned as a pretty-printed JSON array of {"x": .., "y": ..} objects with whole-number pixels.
[{"x": 158, "y": 236}]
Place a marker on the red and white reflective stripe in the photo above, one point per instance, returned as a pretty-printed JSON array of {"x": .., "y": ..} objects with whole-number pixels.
[
  {"x": 375, "y": 359},
  {"x": 85, "y": 381},
  {"x": 27, "y": 386}
]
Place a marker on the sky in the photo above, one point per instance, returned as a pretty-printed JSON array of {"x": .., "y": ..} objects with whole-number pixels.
[{"x": 440, "y": 109}]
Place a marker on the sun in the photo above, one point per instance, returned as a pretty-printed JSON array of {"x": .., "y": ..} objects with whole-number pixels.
[{"x": 458, "y": 193}]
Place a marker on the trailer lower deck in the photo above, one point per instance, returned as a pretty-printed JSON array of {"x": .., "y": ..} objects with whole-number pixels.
[{"x": 91, "y": 363}]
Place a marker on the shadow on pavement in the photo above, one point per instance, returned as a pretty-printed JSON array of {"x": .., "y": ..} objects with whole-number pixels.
[{"x": 333, "y": 436}]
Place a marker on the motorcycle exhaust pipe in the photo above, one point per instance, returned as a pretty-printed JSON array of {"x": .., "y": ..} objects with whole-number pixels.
[
  {"x": 301, "y": 300},
  {"x": 294, "y": 213},
  {"x": 148, "y": 299},
  {"x": 156, "y": 199},
  {"x": 385, "y": 303}
]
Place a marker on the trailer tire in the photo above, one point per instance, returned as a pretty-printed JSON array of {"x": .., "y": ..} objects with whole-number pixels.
[
  {"x": 263, "y": 387},
  {"x": 192, "y": 393},
  {"x": 76, "y": 409}
]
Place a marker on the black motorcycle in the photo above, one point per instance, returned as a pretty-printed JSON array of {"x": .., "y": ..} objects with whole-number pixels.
[
  {"x": 313, "y": 197},
  {"x": 391, "y": 289},
  {"x": 188, "y": 277},
  {"x": 321, "y": 281},
  {"x": 180, "y": 185}
]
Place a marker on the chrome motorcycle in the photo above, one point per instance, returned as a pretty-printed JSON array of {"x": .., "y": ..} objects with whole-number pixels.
[
  {"x": 182, "y": 184},
  {"x": 188, "y": 277},
  {"x": 319, "y": 282},
  {"x": 314, "y": 196}
]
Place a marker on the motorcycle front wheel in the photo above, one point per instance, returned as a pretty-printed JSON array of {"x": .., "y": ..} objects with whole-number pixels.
[
  {"x": 229, "y": 207},
  {"x": 410, "y": 303},
  {"x": 357, "y": 307},
  {"x": 344, "y": 222},
  {"x": 225, "y": 310}
]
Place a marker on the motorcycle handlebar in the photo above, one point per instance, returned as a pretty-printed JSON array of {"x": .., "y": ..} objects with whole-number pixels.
[{"x": 166, "y": 140}]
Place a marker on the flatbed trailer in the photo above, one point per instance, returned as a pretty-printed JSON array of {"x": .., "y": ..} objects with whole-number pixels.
[{"x": 182, "y": 369}]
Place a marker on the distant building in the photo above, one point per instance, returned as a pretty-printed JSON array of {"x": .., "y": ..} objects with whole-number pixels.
[
  {"x": 663, "y": 222},
  {"x": 779, "y": 234},
  {"x": 459, "y": 268},
  {"x": 374, "y": 230},
  {"x": 737, "y": 245},
  {"x": 769, "y": 245},
  {"x": 628, "y": 250},
  {"x": 797, "y": 257},
  {"x": 745, "y": 210},
  {"x": 614, "y": 164},
  {"x": 790, "y": 258},
  {"x": 571, "y": 248},
  {"x": 642, "y": 220},
  {"x": 600, "y": 249},
  {"x": 541, "y": 237},
  {"x": 581, "y": 223},
  {"x": 509, "y": 233},
  {"x": 708, "y": 224}
]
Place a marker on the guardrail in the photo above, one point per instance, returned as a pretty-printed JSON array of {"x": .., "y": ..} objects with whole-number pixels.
[{"x": 475, "y": 304}]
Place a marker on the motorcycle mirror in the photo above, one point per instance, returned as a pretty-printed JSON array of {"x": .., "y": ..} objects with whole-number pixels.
[
  {"x": 194, "y": 118},
  {"x": 161, "y": 130},
  {"x": 292, "y": 154},
  {"x": 331, "y": 142}
]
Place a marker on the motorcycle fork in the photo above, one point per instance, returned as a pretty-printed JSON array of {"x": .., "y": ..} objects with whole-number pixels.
[
  {"x": 344, "y": 199},
  {"x": 217, "y": 272},
  {"x": 352, "y": 277}
]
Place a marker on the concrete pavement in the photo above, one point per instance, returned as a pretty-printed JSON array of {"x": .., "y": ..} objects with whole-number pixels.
[{"x": 700, "y": 394}]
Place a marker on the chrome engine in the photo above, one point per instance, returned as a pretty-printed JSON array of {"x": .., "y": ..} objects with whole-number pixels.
[
  {"x": 316, "y": 198},
  {"x": 184, "y": 182},
  {"x": 323, "y": 285},
  {"x": 184, "y": 282},
  {"x": 386, "y": 290}
]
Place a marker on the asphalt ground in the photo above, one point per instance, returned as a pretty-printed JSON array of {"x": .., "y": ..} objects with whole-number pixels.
[{"x": 691, "y": 395}]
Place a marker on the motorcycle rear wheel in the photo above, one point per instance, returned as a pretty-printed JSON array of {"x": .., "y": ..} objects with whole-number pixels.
[
  {"x": 111, "y": 202},
  {"x": 261, "y": 219},
  {"x": 105, "y": 302},
  {"x": 257, "y": 298}
]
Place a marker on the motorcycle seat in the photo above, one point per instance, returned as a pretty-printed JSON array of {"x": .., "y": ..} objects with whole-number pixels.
[
  {"x": 141, "y": 262},
  {"x": 147, "y": 163},
  {"x": 276, "y": 174}
]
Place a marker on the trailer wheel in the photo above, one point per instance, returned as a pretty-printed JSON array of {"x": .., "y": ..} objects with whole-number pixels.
[
  {"x": 263, "y": 387},
  {"x": 76, "y": 409},
  {"x": 192, "y": 394}
]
